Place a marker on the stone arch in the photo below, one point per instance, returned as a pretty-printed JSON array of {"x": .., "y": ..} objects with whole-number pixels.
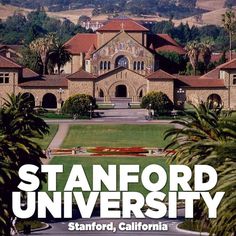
[
  {"x": 30, "y": 98},
  {"x": 119, "y": 54},
  {"x": 122, "y": 61},
  {"x": 101, "y": 93},
  {"x": 214, "y": 100},
  {"x": 141, "y": 90},
  {"x": 130, "y": 89},
  {"x": 121, "y": 91},
  {"x": 99, "y": 89},
  {"x": 49, "y": 101}
]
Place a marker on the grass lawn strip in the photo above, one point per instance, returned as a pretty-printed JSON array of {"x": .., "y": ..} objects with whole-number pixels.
[
  {"x": 46, "y": 140},
  {"x": 35, "y": 224},
  {"x": 116, "y": 136}
]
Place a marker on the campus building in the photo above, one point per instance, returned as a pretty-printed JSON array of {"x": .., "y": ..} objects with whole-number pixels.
[{"x": 121, "y": 61}]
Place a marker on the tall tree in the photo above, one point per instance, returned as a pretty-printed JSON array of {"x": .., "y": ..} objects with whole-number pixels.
[
  {"x": 59, "y": 55},
  {"x": 193, "y": 52},
  {"x": 206, "y": 48},
  {"x": 18, "y": 127},
  {"x": 42, "y": 46},
  {"x": 208, "y": 137},
  {"x": 229, "y": 23}
]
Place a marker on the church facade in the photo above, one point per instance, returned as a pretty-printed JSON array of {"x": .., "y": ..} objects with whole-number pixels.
[{"x": 120, "y": 61}]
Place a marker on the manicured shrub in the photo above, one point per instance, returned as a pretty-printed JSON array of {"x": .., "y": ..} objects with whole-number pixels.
[
  {"x": 78, "y": 105},
  {"x": 159, "y": 101}
]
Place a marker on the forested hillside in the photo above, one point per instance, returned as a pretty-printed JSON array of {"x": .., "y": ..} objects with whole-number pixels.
[{"x": 169, "y": 8}]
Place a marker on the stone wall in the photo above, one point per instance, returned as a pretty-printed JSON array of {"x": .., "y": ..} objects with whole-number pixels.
[
  {"x": 197, "y": 95},
  {"x": 12, "y": 86},
  {"x": 74, "y": 65},
  {"x": 229, "y": 77},
  {"x": 165, "y": 86},
  {"x": 82, "y": 86}
]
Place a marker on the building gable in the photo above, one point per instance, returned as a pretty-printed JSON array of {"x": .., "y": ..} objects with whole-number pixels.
[{"x": 122, "y": 42}]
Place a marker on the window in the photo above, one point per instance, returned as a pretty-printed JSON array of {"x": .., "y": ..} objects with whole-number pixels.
[
  {"x": 234, "y": 81},
  {"x": 105, "y": 65},
  {"x": 101, "y": 65},
  {"x": 4, "y": 78},
  {"x": 138, "y": 67},
  {"x": 109, "y": 65},
  {"x": 142, "y": 65},
  {"x": 122, "y": 61},
  {"x": 135, "y": 65}
]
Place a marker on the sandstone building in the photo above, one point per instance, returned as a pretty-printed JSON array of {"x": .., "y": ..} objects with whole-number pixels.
[{"x": 120, "y": 61}]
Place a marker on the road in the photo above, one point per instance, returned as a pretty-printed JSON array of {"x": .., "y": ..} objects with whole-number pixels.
[{"x": 61, "y": 227}]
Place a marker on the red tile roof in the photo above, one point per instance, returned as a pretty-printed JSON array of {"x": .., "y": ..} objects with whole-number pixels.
[
  {"x": 8, "y": 63},
  {"x": 81, "y": 74},
  {"x": 27, "y": 73},
  {"x": 164, "y": 43},
  {"x": 47, "y": 81},
  {"x": 90, "y": 51},
  {"x": 228, "y": 65},
  {"x": 81, "y": 43},
  {"x": 197, "y": 82},
  {"x": 14, "y": 47},
  {"x": 160, "y": 74},
  {"x": 213, "y": 74},
  {"x": 215, "y": 57},
  {"x": 122, "y": 24}
]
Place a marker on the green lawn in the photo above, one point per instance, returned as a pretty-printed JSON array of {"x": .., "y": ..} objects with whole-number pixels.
[
  {"x": 116, "y": 135},
  {"x": 87, "y": 163},
  {"x": 46, "y": 140}
]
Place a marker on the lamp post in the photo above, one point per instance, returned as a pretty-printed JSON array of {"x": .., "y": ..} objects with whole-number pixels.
[
  {"x": 149, "y": 110},
  {"x": 60, "y": 91},
  {"x": 91, "y": 107}
]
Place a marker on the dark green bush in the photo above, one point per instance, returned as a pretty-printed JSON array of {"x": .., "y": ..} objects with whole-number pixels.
[
  {"x": 159, "y": 101},
  {"x": 78, "y": 104}
]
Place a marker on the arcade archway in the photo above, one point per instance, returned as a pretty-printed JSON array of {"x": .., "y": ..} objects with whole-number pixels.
[
  {"x": 49, "y": 101},
  {"x": 214, "y": 101},
  {"x": 121, "y": 91}
]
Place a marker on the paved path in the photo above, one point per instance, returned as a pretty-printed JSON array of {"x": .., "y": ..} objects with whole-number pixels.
[
  {"x": 61, "y": 227},
  {"x": 60, "y": 135}
]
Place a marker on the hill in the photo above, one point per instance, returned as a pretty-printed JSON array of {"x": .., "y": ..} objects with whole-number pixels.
[
  {"x": 167, "y": 8},
  {"x": 210, "y": 5},
  {"x": 9, "y": 10},
  {"x": 210, "y": 17}
]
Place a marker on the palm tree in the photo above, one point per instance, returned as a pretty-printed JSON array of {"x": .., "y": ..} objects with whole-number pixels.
[
  {"x": 18, "y": 127},
  {"x": 208, "y": 137},
  {"x": 193, "y": 51},
  {"x": 42, "y": 46},
  {"x": 229, "y": 23},
  {"x": 206, "y": 52},
  {"x": 59, "y": 55}
]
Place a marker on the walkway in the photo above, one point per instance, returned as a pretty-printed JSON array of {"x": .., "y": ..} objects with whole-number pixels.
[{"x": 60, "y": 135}]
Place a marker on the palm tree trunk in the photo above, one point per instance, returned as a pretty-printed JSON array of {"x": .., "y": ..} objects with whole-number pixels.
[
  {"x": 59, "y": 68},
  {"x": 230, "y": 45}
]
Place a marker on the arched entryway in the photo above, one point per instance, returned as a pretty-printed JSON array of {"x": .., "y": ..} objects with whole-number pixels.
[
  {"x": 101, "y": 93},
  {"x": 122, "y": 61},
  {"x": 49, "y": 101},
  {"x": 214, "y": 100},
  {"x": 30, "y": 98},
  {"x": 121, "y": 91}
]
